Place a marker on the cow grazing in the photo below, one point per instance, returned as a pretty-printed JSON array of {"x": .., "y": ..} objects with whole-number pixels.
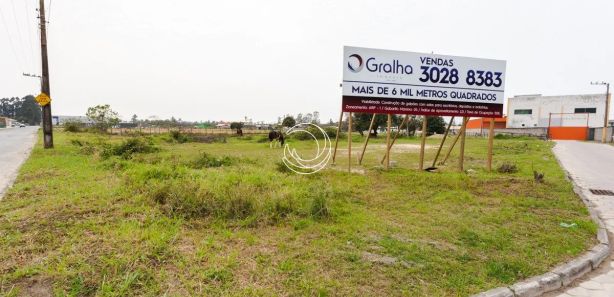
[{"x": 276, "y": 138}]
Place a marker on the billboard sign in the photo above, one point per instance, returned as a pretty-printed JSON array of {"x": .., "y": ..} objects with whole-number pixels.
[{"x": 396, "y": 82}]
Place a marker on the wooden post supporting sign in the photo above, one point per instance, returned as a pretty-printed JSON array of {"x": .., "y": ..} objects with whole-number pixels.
[
  {"x": 461, "y": 157},
  {"x": 337, "y": 136},
  {"x": 491, "y": 136},
  {"x": 395, "y": 138},
  {"x": 367, "y": 141},
  {"x": 423, "y": 142},
  {"x": 349, "y": 142},
  {"x": 443, "y": 140},
  {"x": 460, "y": 131},
  {"x": 388, "y": 142}
]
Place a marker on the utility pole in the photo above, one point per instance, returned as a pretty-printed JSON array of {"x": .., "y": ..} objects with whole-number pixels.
[
  {"x": 607, "y": 110},
  {"x": 47, "y": 128}
]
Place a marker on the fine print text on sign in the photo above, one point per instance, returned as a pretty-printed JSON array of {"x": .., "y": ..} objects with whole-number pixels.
[{"x": 395, "y": 82}]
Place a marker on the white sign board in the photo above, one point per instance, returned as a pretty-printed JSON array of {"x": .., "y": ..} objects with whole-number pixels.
[{"x": 395, "y": 82}]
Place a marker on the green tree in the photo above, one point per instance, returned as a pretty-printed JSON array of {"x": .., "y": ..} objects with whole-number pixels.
[
  {"x": 29, "y": 112},
  {"x": 134, "y": 119},
  {"x": 24, "y": 110},
  {"x": 434, "y": 125},
  {"x": 103, "y": 117},
  {"x": 236, "y": 126},
  {"x": 288, "y": 121}
]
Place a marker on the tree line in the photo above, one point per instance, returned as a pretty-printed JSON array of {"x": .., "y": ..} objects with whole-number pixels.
[{"x": 25, "y": 110}]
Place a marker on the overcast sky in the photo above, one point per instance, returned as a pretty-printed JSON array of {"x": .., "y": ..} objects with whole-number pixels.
[{"x": 223, "y": 60}]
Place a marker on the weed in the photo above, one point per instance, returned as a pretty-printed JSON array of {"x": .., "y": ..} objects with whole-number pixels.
[
  {"x": 538, "y": 177},
  {"x": 505, "y": 271},
  {"x": 209, "y": 138},
  {"x": 178, "y": 137},
  {"x": 85, "y": 147},
  {"x": 128, "y": 147},
  {"x": 73, "y": 127},
  {"x": 219, "y": 275},
  {"x": 319, "y": 202},
  {"x": 206, "y": 160},
  {"x": 280, "y": 166},
  {"x": 507, "y": 168}
]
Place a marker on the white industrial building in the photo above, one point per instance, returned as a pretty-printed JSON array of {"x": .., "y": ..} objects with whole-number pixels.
[
  {"x": 62, "y": 119},
  {"x": 537, "y": 111}
]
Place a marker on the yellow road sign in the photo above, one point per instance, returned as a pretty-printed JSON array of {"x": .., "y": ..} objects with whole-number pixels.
[{"x": 43, "y": 99}]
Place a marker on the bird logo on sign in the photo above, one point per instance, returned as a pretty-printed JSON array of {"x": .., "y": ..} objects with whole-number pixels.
[{"x": 355, "y": 63}]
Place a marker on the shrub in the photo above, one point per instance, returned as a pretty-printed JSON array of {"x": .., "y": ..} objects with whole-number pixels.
[
  {"x": 319, "y": 196},
  {"x": 332, "y": 132},
  {"x": 319, "y": 207},
  {"x": 85, "y": 147},
  {"x": 234, "y": 196},
  {"x": 239, "y": 207},
  {"x": 73, "y": 126},
  {"x": 281, "y": 167},
  {"x": 128, "y": 147},
  {"x": 209, "y": 138},
  {"x": 507, "y": 168},
  {"x": 207, "y": 161},
  {"x": 503, "y": 136},
  {"x": 177, "y": 136},
  {"x": 191, "y": 200}
]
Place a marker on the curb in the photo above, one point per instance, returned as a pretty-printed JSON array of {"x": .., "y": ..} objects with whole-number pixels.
[{"x": 565, "y": 274}]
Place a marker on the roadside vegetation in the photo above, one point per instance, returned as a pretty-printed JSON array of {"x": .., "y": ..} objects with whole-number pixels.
[{"x": 181, "y": 215}]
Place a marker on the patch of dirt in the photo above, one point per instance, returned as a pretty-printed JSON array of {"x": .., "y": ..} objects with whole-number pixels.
[
  {"x": 396, "y": 148},
  {"x": 379, "y": 259},
  {"x": 345, "y": 169},
  {"x": 35, "y": 287},
  {"x": 400, "y": 147}
]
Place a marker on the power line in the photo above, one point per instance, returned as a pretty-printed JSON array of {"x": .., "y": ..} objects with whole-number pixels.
[
  {"x": 6, "y": 28},
  {"x": 29, "y": 33},
  {"x": 49, "y": 12},
  {"x": 21, "y": 43}
]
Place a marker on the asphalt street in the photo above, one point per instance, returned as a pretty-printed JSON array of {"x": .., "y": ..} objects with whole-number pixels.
[
  {"x": 15, "y": 147},
  {"x": 591, "y": 166}
]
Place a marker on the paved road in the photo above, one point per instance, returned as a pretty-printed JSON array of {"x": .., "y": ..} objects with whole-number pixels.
[
  {"x": 15, "y": 146},
  {"x": 591, "y": 165}
]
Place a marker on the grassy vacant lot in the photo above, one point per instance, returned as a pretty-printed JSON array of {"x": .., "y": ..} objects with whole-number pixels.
[{"x": 122, "y": 216}]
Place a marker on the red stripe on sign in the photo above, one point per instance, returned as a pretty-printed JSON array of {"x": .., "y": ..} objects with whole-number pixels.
[{"x": 421, "y": 107}]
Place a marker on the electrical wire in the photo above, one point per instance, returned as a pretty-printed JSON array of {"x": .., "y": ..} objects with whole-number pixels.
[
  {"x": 6, "y": 28},
  {"x": 49, "y": 11},
  {"x": 20, "y": 39},
  {"x": 29, "y": 33}
]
